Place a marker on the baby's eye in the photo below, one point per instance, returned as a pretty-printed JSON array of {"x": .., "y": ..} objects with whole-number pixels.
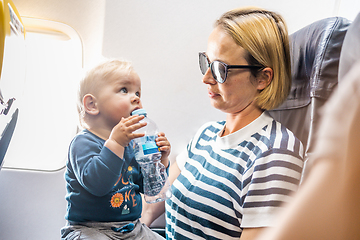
[
  {"x": 123, "y": 90},
  {"x": 137, "y": 94}
]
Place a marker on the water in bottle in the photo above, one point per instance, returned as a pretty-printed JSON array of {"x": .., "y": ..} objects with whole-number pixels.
[{"x": 147, "y": 154}]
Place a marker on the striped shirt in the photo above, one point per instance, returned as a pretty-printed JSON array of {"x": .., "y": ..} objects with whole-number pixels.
[{"x": 233, "y": 182}]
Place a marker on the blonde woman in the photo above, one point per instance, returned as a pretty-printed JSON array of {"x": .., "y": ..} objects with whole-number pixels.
[{"x": 235, "y": 174}]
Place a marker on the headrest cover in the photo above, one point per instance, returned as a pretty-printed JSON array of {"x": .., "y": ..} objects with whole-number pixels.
[
  {"x": 315, "y": 52},
  {"x": 350, "y": 52}
]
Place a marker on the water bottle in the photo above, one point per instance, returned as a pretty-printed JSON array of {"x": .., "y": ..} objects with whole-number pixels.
[{"x": 147, "y": 154}]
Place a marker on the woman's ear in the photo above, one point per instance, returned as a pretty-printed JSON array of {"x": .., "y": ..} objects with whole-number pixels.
[
  {"x": 264, "y": 78},
  {"x": 90, "y": 104}
]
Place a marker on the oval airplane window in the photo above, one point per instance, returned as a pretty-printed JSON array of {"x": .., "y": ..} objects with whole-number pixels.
[{"x": 47, "y": 118}]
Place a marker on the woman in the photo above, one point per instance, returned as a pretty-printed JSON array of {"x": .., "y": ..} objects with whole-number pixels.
[{"x": 234, "y": 174}]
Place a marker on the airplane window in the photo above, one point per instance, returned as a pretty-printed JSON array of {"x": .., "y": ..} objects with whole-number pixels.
[{"x": 47, "y": 114}]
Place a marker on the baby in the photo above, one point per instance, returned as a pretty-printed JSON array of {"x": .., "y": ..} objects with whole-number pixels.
[{"x": 103, "y": 179}]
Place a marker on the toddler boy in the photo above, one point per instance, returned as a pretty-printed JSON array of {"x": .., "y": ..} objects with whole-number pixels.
[{"x": 103, "y": 179}]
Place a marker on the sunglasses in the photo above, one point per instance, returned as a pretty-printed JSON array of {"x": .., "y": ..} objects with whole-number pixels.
[{"x": 219, "y": 69}]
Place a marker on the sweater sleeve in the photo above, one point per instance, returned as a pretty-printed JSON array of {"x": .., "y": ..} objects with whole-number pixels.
[{"x": 96, "y": 167}]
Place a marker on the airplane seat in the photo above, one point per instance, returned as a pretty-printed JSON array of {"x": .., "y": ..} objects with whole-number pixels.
[
  {"x": 315, "y": 53},
  {"x": 350, "y": 52}
]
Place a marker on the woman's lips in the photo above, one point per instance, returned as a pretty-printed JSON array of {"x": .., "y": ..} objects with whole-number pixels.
[{"x": 212, "y": 94}]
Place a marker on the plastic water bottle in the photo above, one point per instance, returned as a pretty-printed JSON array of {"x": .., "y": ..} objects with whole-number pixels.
[{"x": 147, "y": 154}]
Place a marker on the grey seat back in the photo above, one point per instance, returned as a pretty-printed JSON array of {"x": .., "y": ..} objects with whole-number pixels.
[
  {"x": 350, "y": 52},
  {"x": 315, "y": 53}
]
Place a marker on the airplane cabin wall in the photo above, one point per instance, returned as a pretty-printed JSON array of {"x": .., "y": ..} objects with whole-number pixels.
[{"x": 162, "y": 39}]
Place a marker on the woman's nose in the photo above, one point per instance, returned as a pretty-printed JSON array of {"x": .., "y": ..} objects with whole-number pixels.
[{"x": 208, "y": 78}]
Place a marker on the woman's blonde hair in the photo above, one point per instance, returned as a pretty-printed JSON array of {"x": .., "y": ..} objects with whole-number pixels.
[
  {"x": 263, "y": 34},
  {"x": 96, "y": 77}
]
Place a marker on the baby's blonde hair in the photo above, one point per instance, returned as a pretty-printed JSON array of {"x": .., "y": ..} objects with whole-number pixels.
[{"x": 96, "y": 77}]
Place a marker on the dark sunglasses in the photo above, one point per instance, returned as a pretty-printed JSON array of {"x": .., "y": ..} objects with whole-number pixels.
[{"x": 219, "y": 69}]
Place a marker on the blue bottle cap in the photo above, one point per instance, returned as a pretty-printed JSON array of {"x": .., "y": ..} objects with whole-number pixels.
[{"x": 140, "y": 111}]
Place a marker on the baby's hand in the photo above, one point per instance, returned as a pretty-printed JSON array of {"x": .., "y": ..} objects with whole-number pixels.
[
  {"x": 165, "y": 148},
  {"x": 123, "y": 132}
]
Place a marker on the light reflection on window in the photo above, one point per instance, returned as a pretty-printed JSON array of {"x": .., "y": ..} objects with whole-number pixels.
[{"x": 47, "y": 113}]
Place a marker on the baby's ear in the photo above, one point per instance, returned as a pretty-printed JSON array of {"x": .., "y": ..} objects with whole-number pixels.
[
  {"x": 264, "y": 78},
  {"x": 90, "y": 104}
]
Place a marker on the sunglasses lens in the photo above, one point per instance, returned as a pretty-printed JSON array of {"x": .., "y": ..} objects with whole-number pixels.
[
  {"x": 219, "y": 71},
  {"x": 203, "y": 62}
]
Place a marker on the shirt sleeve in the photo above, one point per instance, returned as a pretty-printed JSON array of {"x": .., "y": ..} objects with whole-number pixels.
[
  {"x": 96, "y": 168},
  {"x": 269, "y": 184}
]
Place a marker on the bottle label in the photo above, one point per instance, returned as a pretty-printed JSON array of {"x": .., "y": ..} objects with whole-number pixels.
[
  {"x": 145, "y": 146},
  {"x": 150, "y": 147}
]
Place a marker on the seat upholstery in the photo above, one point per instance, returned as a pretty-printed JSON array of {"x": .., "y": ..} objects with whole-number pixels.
[
  {"x": 315, "y": 53},
  {"x": 350, "y": 52}
]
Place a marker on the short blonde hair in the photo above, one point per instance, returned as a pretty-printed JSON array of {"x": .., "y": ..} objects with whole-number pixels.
[
  {"x": 263, "y": 34},
  {"x": 96, "y": 77}
]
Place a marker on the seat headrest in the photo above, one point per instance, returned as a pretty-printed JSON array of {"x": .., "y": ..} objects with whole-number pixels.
[
  {"x": 350, "y": 52},
  {"x": 315, "y": 52}
]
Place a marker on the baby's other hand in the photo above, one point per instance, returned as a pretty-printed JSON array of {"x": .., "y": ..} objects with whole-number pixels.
[
  {"x": 123, "y": 132},
  {"x": 165, "y": 148}
]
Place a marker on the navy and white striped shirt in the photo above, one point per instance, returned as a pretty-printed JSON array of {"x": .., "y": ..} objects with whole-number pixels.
[{"x": 233, "y": 182}]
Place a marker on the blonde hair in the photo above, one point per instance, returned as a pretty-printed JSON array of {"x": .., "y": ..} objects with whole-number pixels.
[
  {"x": 263, "y": 34},
  {"x": 96, "y": 77}
]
